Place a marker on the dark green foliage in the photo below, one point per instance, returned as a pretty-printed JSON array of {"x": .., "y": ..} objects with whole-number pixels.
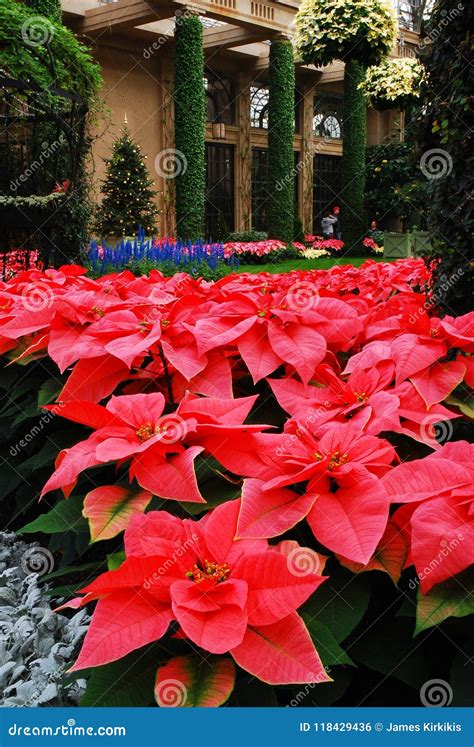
[
  {"x": 189, "y": 122},
  {"x": 447, "y": 125},
  {"x": 74, "y": 69},
  {"x": 49, "y": 8},
  {"x": 392, "y": 187},
  {"x": 250, "y": 235},
  {"x": 280, "y": 140},
  {"x": 129, "y": 197},
  {"x": 353, "y": 162}
]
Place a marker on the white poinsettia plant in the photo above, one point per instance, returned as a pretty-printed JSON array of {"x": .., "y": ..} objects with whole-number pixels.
[
  {"x": 394, "y": 83},
  {"x": 327, "y": 30}
]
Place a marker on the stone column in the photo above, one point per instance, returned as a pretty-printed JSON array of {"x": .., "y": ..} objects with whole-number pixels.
[
  {"x": 307, "y": 157},
  {"x": 243, "y": 192}
]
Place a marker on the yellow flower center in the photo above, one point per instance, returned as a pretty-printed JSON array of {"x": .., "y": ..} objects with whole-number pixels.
[
  {"x": 337, "y": 459},
  {"x": 145, "y": 432},
  {"x": 215, "y": 571},
  {"x": 361, "y": 396}
]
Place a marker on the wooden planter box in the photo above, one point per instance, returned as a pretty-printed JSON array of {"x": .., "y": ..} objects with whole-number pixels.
[
  {"x": 397, "y": 245},
  {"x": 420, "y": 242}
]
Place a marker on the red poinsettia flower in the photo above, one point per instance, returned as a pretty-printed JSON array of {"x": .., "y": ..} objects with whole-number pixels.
[
  {"x": 237, "y": 596},
  {"x": 162, "y": 447},
  {"x": 342, "y": 498},
  {"x": 440, "y": 522}
]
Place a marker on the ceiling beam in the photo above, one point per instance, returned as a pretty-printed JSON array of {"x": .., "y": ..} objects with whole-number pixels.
[
  {"x": 224, "y": 38},
  {"x": 254, "y": 15}
]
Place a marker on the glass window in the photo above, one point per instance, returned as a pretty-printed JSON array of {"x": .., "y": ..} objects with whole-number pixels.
[
  {"x": 327, "y": 117},
  {"x": 220, "y": 96},
  {"x": 259, "y": 107}
]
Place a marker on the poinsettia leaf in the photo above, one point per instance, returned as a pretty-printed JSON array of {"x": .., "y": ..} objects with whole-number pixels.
[
  {"x": 124, "y": 683},
  {"x": 281, "y": 653},
  {"x": 115, "y": 560},
  {"x": 451, "y": 598},
  {"x": 330, "y": 651},
  {"x": 187, "y": 681},
  {"x": 389, "y": 557},
  {"x": 340, "y": 603},
  {"x": 109, "y": 509},
  {"x": 65, "y": 516},
  {"x": 48, "y": 391}
]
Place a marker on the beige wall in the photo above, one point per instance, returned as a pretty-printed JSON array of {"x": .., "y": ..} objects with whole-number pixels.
[
  {"x": 142, "y": 89},
  {"x": 131, "y": 87}
]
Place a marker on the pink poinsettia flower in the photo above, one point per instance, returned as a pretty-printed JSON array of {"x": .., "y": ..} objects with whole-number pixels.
[
  {"x": 439, "y": 516},
  {"x": 340, "y": 492},
  {"x": 227, "y": 595},
  {"x": 162, "y": 447}
]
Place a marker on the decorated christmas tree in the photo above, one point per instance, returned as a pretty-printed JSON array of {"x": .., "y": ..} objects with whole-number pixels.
[{"x": 129, "y": 197}]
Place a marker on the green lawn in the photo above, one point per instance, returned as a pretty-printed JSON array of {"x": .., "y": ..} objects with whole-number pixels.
[{"x": 323, "y": 263}]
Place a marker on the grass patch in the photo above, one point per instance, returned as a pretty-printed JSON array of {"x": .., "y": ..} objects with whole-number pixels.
[{"x": 324, "y": 263}]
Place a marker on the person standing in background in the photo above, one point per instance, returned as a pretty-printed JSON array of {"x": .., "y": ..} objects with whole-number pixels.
[{"x": 336, "y": 211}]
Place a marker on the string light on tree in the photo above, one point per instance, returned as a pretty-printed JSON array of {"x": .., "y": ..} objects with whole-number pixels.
[{"x": 129, "y": 199}]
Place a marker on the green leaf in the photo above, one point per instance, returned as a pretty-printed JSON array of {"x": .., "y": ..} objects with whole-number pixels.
[
  {"x": 124, "y": 683},
  {"x": 49, "y": 392},
  {"x": 188, "y": 681},
  {"x": 328, "y": 648},
  {"x": 66, "y": 571},
  {"x": 452, "y": 598},
  {"x": 115, "y": 559},
  {"x": 65, "y": 516},
  {"x": 339, "y": 604},
  {"x": 466, "y": 406}
]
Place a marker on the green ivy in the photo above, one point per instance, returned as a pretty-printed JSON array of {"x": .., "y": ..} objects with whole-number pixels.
[
  {"x": 189, "y": 119},
  {"x": 49, "y": 8},
  {"x": 73, "y": 67},
  {"x": 280, "y": 140},
  {"x": 393, "y": 187},
  {"x": 444, "y": 126},
  {"x": 353, "y": 161}
]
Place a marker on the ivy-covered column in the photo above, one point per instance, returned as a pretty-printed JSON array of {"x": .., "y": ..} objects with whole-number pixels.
[
  {"x": 353, "y": 161},
  {"x": 49, "y": 8},
  {"x": 189, "y": 123},
  {"x": 281, "y": 108}
]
